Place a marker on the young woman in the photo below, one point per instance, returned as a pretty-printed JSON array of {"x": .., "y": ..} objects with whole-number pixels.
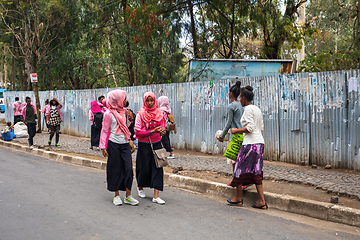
[
  {"x": 233, "y": 115},
  {"x": 249, "y": 164},
  {"x": 114, "y": 142},
  {"x": 149, "y": 123},
  {"x": 54, "y": 118},
  {"x": 95, "y": 132},
  {"x": 164, "y": 106},
  {"x": 44, "y": 112}
]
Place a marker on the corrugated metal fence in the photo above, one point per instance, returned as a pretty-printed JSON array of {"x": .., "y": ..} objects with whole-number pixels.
[{"x": 310, "y": 118}]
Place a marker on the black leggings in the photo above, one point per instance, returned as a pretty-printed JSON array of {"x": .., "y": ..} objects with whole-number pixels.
[{"x": 53, "y": 130}]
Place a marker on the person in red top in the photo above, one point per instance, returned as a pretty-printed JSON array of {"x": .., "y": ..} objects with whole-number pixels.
[
  {"x": 18, "y": 106},
  {"x": 95, "y": 108},
  {"x": 149, "y": 123}
]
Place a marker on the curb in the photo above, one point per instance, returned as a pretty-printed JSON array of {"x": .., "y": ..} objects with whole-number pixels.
[{"x": 284, "y": 202}]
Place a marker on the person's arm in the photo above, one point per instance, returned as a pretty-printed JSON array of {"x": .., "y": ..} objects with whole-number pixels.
[
  {"x": 248, "y": 117},
  {"x": 230, "y": 115},
  {"x": 105, "y": 130},
  {"x": 91, "y": 116}
]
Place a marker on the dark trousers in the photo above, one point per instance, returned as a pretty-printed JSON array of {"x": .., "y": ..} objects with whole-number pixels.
[
  {"x": 147, "y": 174},
  {"x": 31, "y": 131},
  {"x": 95, "y": 136},
  {"x": 119, "y": 170},
  {"x": 53, "y": 130},
  {"x": 166, "y": 142},
  {"x": 18, "y": 118}
]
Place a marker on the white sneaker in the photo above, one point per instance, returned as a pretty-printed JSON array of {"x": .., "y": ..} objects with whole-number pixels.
[
  {"x": 141, "y": 193},
  {"x": 131, "y": 201},
  {"x": 171, "y": 156},
  {"x": 31, "y": 147},
  {"x": 158, "y": 200},
  {"x": 117, "y": 201}
]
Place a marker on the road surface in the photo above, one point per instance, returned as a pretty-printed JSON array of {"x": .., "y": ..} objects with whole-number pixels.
[{"x": 44, "y": 199}]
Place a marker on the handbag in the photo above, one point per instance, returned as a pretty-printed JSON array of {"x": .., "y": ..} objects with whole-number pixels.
[
  {"x": 159, "y": 155},
  {"x": 234, "y": 146}
]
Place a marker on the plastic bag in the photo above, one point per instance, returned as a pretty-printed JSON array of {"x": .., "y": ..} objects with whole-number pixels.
[
  {"x": 20, "y": 130},
  {"x": 219, "y": 132},
  {"x": 234, "y": 146},
  {"x": 7, "y": 136}
]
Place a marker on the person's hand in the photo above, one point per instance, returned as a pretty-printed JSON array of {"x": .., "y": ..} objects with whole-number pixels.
[
  {"x": 130, "y": 115},
  {"x": 162, "y": 132},
  {"x": 220, "y": 139},
  {"x": 156, "y": 130},
  {"x": 105, "y": 153},
  {"x": 233, "y": 130}
]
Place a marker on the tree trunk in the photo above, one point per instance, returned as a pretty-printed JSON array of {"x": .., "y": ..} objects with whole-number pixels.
[
  {"x": 193, "y": 29},
  {"x": 13, "y": 67},
  {"x": 36, "y": 91}
]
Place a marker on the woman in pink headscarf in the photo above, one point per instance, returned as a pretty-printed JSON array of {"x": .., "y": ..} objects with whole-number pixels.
[
  {"x": 95, "y": 112},
  {"x": 149, "y": 123},
  {"x": 114, "y": 142},
  {"x": 164, "y": 106}
]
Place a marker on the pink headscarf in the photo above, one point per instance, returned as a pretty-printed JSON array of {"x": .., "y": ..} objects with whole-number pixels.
[
  {"x": 114, "y": 102},
  {"x": 95, "y": 107},
  {"x": 164, "y": 104},
  {"x": 150, "y": 114}
]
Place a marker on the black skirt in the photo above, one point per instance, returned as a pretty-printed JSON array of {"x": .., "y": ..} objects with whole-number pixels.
[
  {"x": 147, "y": 174},
  {"x": 95, "y": 136},
  {"x": 119, "y": 169}
]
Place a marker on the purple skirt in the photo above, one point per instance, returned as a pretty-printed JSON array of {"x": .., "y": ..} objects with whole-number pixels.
[{"x": 249, "y": 165}]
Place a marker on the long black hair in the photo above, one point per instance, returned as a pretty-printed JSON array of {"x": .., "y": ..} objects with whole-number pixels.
[
  {"x": 247, "y": 92},
  {"x": 235, "y": 89},
  {"x": 51, "y": 102}
]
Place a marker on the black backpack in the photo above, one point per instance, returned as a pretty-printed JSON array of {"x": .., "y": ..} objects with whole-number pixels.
[{"x": 98, "y": 118}]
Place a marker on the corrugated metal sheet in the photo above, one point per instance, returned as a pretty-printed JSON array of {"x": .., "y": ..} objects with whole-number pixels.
[{"x": 309, "y": 118}]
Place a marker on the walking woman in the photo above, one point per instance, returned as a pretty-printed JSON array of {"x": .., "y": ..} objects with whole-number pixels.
[
  {"x": 149, "y": 123},
  {"x": 44, "y": 112},
  {"x": 54, "y": 118},
  {"x": 95, "y": 111},
  {"x": 233, "y": 115},
  {"x": 164, "y": 106},
  {"x": 114, "y": 142},
  {"x": 249, "y": 164}
]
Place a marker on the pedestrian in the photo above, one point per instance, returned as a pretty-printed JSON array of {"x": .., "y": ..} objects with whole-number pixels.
[
  {"x": 44, "y": 111},
  {"x": 249, "y": 164},
  {"x": 95, "y": 117},
  {"x": 234, "y": 112},
  {"x": 164, "y": 106},
  {"x": 18, "y": 106},
  {"x": 29, "y": 115},
  {"x": 150, "y": 124},
  {"x": 114, "y": 142},
  {"x": 131, "y": 122},
  {"x": 54, "y": 119},
  {"x": 101, "y": 99}
]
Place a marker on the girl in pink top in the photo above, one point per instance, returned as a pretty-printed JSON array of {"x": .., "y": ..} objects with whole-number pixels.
[
  {"x": 95, "y": 131},
  {"x": 149, "y": 123},
  {"x": 114, "y": 142}
]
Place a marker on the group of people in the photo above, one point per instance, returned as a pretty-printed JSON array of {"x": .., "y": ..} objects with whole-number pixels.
[
  {"x": 248, "y": 167},
  {"x": 116, "y": 138},
  {"x": 25, "y": 112}
]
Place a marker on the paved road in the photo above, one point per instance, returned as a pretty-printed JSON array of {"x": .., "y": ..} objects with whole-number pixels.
[{"x": 43, "y": 199}]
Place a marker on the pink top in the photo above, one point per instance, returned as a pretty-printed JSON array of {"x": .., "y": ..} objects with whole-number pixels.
[
  {"x": 91, "y": 117},
  {"x": 47, "y": 112},
  {"x": 142, "y": 133},
  {"x": 105, "y": 130},
  {"x": 17, "y": 106},
  {"x": 45, "y": 108},
  {"x": 23, "y": 112}
]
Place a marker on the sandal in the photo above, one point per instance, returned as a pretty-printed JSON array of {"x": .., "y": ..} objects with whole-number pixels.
[
  {"x": 261, "y": 207},
  {"x": 240, "y": 203}
]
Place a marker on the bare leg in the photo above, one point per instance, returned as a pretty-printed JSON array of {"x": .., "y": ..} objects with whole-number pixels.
[
  {"x": 140, "y": 188},
  {"x": 128, "y": 193},
  {"x": 117, "y": 193},
  {"x": 156, "y": 193},
  {"x": 260, "y": 191},
  {"x": 238, "y": 197}
]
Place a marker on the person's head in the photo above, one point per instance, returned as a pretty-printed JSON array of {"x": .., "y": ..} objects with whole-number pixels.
[
  {"x": 116, "y": 99},
  {"x": 53, "y": 102},
  {"x": 246, "y": 95},
  {"x": 149, "y": 100},
  {"x": 17, "y": 99},
  {"x": 101, "y": 98},
  {"x": 163, "y": 101},
  {"x": 46, "y": 101},
  {"x": 9, "y": 124},
  {"x": 28, "y": 100},
  {"x": 235, "y": 91}
]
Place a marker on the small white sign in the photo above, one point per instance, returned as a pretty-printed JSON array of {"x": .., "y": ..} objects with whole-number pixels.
[{"x": 33, "y": 77}]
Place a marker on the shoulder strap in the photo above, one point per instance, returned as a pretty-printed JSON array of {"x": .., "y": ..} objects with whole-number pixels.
[{"x": 149, "y": 138}]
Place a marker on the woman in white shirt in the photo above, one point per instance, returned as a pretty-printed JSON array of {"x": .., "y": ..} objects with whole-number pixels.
[{"x": 249, "y": 163}]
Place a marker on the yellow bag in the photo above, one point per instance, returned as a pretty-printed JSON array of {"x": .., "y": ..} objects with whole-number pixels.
[{"x": 234, "y": 146}]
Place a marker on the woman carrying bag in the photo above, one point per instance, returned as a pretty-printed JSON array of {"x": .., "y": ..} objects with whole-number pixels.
[
  {"x": 114, "y": 142},
  {"x": 149, "y": 125}
]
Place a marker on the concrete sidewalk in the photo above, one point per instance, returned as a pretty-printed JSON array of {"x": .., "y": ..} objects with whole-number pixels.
[{"x": 286, "y": 185}]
